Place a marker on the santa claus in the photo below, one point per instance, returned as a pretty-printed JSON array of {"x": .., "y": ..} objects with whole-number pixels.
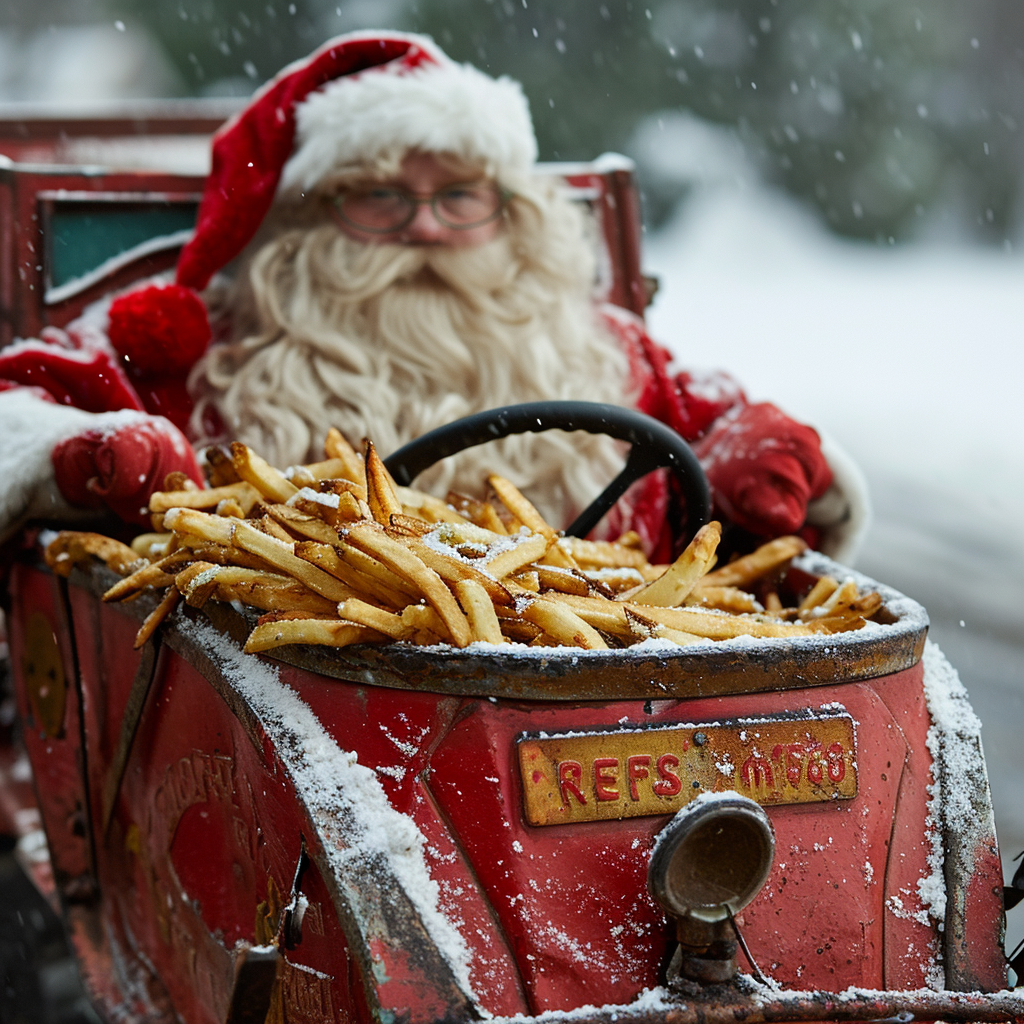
[{"x": 376, "y": 251}]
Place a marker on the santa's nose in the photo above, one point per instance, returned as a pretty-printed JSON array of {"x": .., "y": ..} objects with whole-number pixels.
[{"x": 424, "y": 228}]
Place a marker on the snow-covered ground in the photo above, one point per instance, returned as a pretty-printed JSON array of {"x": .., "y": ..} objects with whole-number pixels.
[{"x": 912, "y": 358}]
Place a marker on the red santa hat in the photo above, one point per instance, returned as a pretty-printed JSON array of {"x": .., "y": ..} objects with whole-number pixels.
[{"x": 357, "y": 97}]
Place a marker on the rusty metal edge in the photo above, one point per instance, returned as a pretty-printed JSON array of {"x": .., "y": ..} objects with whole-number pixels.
[
  {"x": 566, "y": 674},
  {"x": 727, "y": 1004}
]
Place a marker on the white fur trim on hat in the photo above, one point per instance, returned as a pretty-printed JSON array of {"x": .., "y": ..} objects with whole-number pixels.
[{"x": 437, "y": 108}]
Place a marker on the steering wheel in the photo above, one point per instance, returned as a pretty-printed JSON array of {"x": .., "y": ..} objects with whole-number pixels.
[{"x": 655, "y": 446}]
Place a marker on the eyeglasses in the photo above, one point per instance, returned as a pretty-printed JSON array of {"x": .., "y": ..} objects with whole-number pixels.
[{"x": 382, "y": 209}]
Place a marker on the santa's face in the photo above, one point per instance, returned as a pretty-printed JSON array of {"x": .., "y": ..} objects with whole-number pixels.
[
  {"x": 390, "y": 341},
  {"x": 428, "y": 201}
]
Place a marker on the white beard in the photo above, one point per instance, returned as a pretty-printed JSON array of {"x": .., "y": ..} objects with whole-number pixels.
[{"x": 391, "y": 341}]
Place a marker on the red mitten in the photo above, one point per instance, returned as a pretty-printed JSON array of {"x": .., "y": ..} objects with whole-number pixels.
[
  {"x": 121, "y": 468},
  {"x": 764, "y": 468}
]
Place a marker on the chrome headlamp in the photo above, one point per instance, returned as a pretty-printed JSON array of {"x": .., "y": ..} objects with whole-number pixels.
[{"x": 708, "y": 863}]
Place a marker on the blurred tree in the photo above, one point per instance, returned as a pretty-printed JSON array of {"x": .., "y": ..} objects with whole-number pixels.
[
  {"x": 884, "y": 116},
  {"x": 874, "y": 112},
  {"x": 232, "y": 46}
]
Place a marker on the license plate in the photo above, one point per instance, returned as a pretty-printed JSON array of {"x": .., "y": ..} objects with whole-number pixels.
[{"x": 634, "y": 772}]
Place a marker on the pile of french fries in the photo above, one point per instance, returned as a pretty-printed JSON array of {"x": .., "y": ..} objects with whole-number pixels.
[{"x": 336, "y": 553}]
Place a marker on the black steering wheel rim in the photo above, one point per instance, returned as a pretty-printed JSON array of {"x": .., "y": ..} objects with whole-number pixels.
[{"x": 654, "y": 446}]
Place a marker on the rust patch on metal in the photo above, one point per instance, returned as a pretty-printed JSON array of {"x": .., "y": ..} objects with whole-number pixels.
[{"x": 633, "y": 773}]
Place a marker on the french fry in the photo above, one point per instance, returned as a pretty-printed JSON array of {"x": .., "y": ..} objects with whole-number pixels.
[
  {"x": 337, "y": 447},
  {"x": 564, "y": 625},
  {"x": 525, "y": 582},
  {"x": 218, "y": 467},
  {"x": 264, "y": 590},
  {"x": 716, "y": 626},
  {"x": 453, "y": 571},
  {"x": 403, "y": 562},
  {"x": 156, "y": 616},
  {"x": 510, "y": 560},
  {"x": 523, "y": 511},
  {"x": 153, "y": 545},
  {"x": 303, "y": 524},
  {"x": 300, "y": 477},
  {"x": 269, "y": 525},
  {"x": 369, "y": 615},
  {"x": 230, "y": 507},
  {"x": 758, "y": 563},
  {"x": 650, "y": 573},
  {"x": 197, "y": 583},
  {"x": 515, "y": 628},
  {"x": 254, "y": 469},
  {"x": 364, "y": 574},
  {"x": 711, "y": 625},
  {"x": 75, "y": 547},
  {"x": 476, "y": 603},
  {"x": 644, "y": 628},
  {"x": 821, "y": 591},
  {"x": 614, "y": 580},
  {"x": 682, "y": 576},
  {"x": 244, "y": 493},
  {"x": 221, "y": 555},
  {"x": 208, "y": 528},
  {"x": 608, "y": 616},
  {"x": 329, "y": 469},
  {"x": 339, "y": 485},
  {"x": 335, "y": 510},
  {"x": 867, "y": 604},
  {"x": 565, "y": 581},
  {"x": 282, "y": 556},
  {"x": 603, "y": 554},
  {"x": 726, "y": 599},
  {"x": 465, "y": 533},
  {"x": 157, "y": 574},
  {"x": 482, "y": 513},
  {"x": 423, "y": 624},
  {"x": 843, "y": 607},
  {"x": 176, "y": 480},
  {"x": 842, "y": 595},
  {"x": 380, "y": 576},
  {"x": 380, "y": 488},
  {"x": 326, "y": 632},
  {"x": 409, "y": 526},
  {"x": 520, "y": 506}
]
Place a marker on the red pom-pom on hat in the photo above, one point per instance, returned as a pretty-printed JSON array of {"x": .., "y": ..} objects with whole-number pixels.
[{"x": 160, "y": 329}]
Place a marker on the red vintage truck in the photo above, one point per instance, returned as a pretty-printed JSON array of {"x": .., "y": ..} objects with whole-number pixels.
[{"x": 747, "y": 830}]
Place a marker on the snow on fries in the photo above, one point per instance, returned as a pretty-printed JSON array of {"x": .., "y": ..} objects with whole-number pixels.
[{"x": 336, "y": 553}]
